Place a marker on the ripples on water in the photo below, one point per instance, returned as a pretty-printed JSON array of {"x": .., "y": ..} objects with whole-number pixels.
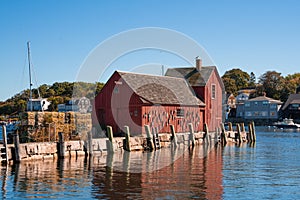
[{"x": 268, "y": 170}]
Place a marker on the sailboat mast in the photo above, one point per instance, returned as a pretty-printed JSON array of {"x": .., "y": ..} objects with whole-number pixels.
[{"x": 30, "y": 81}]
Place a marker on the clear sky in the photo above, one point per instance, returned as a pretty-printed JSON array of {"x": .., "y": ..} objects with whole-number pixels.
[{"x": 254, "y": 35}]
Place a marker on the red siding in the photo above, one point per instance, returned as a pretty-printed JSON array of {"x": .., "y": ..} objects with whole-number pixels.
[
  {"x": 115, "y": 105},
  {"x": 213, "y": 108},
  {"x": 162, "y": 117},
  {"x": 121, "y": 106}
]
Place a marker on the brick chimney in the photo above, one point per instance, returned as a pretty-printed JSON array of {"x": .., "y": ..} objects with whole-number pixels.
[{"x": 198, "y": 63}]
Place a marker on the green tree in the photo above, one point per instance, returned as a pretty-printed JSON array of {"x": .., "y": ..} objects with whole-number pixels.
[
  {"x": 234, "y": 80},
  {"x": 99, "y": 87},
  {"x": 43, "y": 89},
  {"x": 54, "y": 102},
  {"x": 230, "y": 86},
  {"x": 290, "y": 83},
  {"x": 252, "y": 81},
  {"x": 20, "y": 105},
  {"x": 272, "y": 84},
  {"x": 57, "y": 93}
]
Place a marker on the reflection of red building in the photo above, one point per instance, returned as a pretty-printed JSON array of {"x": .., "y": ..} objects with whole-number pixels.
[
  {"x": 136, "y": 100},
  {"x": 189, "y": 176}
]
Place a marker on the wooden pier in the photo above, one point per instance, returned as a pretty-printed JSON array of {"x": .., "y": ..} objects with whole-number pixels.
[
  {"x": 240, "y": 135},
  {"x": 152, "y": 141}
]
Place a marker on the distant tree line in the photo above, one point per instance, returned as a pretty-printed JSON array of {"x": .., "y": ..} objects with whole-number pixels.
[
  {"x": 57, "y": 93},
  {"x": 271, "y": 83}
]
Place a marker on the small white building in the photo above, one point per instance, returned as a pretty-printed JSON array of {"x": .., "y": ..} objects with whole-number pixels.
[
  {"x": 38, "y": 104},
  {"x": 82, "y": 105}
]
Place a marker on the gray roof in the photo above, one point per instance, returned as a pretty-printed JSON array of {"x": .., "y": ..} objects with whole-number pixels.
[
  {"x": 293, "y": 99},
  {"x": 192, "y": 75},
  {"x": 264, "y": 98},
  {"x": 161, "y": 89}
]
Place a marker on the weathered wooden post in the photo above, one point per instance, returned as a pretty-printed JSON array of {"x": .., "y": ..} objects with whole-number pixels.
[
  {"x": 49, "y": 130},
  {"x": 61, "y": 145},
  {"x": 5, "y": 142},
  {"x": 173, "y": 135},
  {"x": 230, "y": 126},
  {"x": 223, "y": 134},
  {"x": 242, "y": 127},
  {"x": 127, "y": 145},
  {"x": 216, "y": 135},
  {"x": 90, "y": 143},
  {"x": 149, "y": 138},
  {"x": 253, "y": 131},
  {"x": 250, "y": 138},
  {"x": 17, "y": 146},
  {"x": 239, "y": 137},
  {"x": 110, "y": 142},
  {"x": 206, "y": 132},
  {"x": 191, "y": 135}
]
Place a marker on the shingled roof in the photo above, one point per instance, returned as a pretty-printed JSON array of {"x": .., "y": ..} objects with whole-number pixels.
[
  {"x": 264, "y": 98},
  {"x": 293, "y": 99},
  {"x": 161, "y": 89},
  {"x": 194, "y": 76}
]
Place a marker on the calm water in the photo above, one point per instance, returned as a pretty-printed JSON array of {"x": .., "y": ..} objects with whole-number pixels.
[{"x": 268, "y": 170}]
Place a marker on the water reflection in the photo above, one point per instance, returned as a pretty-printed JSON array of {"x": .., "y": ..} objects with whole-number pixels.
[
  {"x": 121, "y": 175},
  {"x": 189, "y": 176}
]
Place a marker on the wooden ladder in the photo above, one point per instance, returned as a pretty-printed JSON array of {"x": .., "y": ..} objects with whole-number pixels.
[
  {"x": 3, "y": 157},
  {"x": 3, "y": 146},
  {"x": 156, "y": 139}
]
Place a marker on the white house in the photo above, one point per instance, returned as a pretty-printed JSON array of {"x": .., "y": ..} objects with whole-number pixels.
[
  {"x": 37, "y": 104},
  {"x": 82, "y": 105}
]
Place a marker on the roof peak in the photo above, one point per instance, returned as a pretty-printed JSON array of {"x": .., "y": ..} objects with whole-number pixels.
[
  {"x": 150, "y": 75},
  {"x": 191, "y": 67}
]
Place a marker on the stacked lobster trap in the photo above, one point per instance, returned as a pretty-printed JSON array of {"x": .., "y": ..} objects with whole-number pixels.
[{"x": 45, "y": 126}]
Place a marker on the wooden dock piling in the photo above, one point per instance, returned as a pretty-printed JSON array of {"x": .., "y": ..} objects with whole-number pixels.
[
  {"x": 238, "y": 134},
  {"x": 206, "y": 134},
  {"x": 230, "y": 126},
  {"x": 90, "y": 143},
  {"x": 149, "y": 138},
  {"x": 243, "y": 127},
  {"x": 61, "y": 145},
  {"x": 191, "y": 135},
  {"x": 223, "y": 134},
  {"x": 250, "y": 134},
  {"x": 253, "y": 131},
  {"x": 110, "y": 142},
  {"x": 17, "y": 147},
  {"x": 173, "y": 136},
  {"x": 127, "y": 145}
]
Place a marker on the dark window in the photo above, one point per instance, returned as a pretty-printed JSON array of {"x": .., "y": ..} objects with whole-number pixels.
[
  {"x": 135, "y": 113},
  {"x": 180, "y": 112},
  {"x": 213, "y": 91},
  {"x": 116, "y": 90}
]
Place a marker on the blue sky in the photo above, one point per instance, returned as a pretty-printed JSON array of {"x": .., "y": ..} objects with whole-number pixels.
[{"x": 255, "y": 36}]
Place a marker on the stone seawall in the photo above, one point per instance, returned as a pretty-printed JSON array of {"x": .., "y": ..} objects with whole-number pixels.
[{"x": 76, "y": 148}]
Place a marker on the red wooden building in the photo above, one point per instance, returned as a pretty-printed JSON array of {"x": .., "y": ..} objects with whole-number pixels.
[
  {"x": 208, "y": 86},
  {"x": 137, "y": 99}
]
